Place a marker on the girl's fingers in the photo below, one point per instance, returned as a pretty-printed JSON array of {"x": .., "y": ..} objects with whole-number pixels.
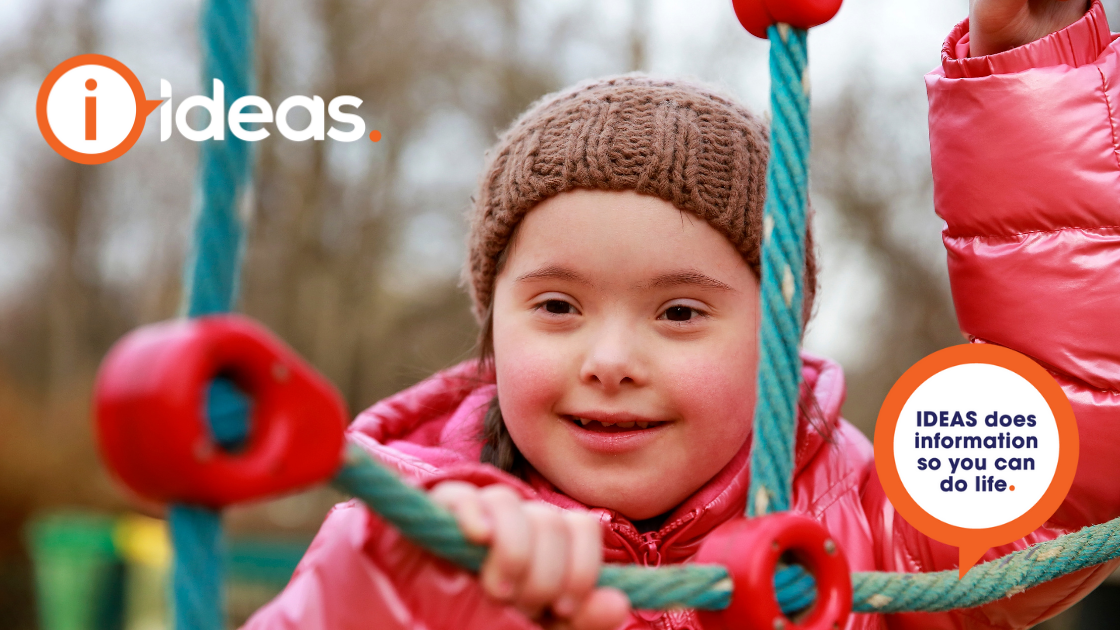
[
  {"x": 511, "y": 549},
  {"x": 464, "y": 502},
  {"x": 585, "y": 555},
  {"x": 604, "y": 609},
  {"x": 539, "y": 556},
  {"x": 550, "y": 558}
]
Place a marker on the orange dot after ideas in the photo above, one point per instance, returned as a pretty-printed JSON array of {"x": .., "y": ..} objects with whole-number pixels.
[{"x": 964, "y": 428}]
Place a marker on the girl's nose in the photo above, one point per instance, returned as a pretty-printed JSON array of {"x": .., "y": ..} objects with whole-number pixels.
[{"x": 612, "y": 362}]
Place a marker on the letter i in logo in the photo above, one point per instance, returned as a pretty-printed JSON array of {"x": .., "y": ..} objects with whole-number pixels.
[{"x": 91, "y": 111}]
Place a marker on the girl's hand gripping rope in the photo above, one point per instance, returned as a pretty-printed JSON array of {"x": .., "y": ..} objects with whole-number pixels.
[{"x": 543, "y": 560}]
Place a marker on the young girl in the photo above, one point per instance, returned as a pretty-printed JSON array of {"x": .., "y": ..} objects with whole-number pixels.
[{"x": 614, "y": 268}]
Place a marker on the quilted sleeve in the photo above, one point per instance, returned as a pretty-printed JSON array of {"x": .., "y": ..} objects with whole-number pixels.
[
  {"x": 359, "y": 573},
  {"x": 1027, "y": 178}
]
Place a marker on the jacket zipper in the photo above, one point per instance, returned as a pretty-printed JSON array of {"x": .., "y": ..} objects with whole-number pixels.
[
  {"x": 648, "y": 545},
  {"x": 651, "y": 555}
]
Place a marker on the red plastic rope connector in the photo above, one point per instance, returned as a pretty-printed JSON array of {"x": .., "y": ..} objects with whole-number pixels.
[
  {"x": 758, "y": 15},
  {"x": 751, "y": 549},
  {"x": 151, "y": 420}
]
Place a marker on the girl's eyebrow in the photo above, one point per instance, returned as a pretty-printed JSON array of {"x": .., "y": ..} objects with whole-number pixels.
[
  {"x": 674, "y": 278},
  {"x": 691, "y": 277},
  {"x": 554, "y": 272}
]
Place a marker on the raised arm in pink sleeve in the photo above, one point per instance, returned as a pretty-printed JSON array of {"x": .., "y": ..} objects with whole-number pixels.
[{"x": 1027, "y": 177}]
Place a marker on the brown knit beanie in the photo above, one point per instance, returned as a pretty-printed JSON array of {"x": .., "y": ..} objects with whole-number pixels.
[{"x": 684, "y": 142}]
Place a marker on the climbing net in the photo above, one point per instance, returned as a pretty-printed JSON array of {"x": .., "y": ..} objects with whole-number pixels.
[{"x": 211, "y": 275}]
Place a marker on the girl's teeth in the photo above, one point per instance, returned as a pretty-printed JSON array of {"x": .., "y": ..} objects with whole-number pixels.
[{"x": 622, "y": 425}]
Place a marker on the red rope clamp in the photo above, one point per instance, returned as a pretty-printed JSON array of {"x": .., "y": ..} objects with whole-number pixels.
[
  {"x": 758, "y": 15},
  {"x": 751, "y": 549},
  {"x": 151, "y": 413}
]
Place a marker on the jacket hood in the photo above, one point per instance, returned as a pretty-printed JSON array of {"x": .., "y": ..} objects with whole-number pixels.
[{"x": 432, "y": 432}]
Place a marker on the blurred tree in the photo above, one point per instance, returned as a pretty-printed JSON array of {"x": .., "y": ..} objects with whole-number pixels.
[{"x": 872, "y": 183}]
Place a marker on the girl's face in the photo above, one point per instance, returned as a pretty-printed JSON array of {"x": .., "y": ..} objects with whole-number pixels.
[{"x": 625, "y": 343}]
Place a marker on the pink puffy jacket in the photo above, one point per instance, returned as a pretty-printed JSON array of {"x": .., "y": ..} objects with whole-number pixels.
[{"x": 1026, "y": 163}]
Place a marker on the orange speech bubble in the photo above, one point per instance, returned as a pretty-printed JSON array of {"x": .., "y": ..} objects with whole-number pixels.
[
  {"x": 995, "y": 411},
  {"x": 59, "y": 130}
]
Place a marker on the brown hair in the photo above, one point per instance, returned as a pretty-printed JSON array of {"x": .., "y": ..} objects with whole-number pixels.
[{"x": 498, "y": 448}]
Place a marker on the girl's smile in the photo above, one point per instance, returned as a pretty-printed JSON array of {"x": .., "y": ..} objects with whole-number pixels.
[
  {"x": 614, "y": 432},
  {"x": 624, "y": 347}
]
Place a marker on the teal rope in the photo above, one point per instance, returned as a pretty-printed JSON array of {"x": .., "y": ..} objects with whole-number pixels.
[
  {"x": 1006, "y": 576},
  {"x": 211, "y": 275},
  {"x": 708, "y": 587},
  {"x": 196, "y": 535},
  {"x": 228, "y": 410},
  {"x": 213, "y": 268},
  {"x": 783, "y": 263}
]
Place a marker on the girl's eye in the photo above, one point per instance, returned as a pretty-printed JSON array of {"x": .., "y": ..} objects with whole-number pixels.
[
  {"x": 558, "y": 307},
  {"x": 679, "y": 313}
]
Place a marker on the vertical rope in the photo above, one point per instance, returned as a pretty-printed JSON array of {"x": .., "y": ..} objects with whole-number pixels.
[
  {"x": 212, "y": 269},
  {"x": 210, "y": 280},
  {"x": 196, "y": 535},
  {"x": 783, "y": 272}
]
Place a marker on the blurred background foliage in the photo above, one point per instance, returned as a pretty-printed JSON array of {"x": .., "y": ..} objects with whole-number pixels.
[{"x": 353, "y": 250}]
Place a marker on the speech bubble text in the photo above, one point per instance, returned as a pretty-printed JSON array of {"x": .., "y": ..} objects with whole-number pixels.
[{"x": 976, "y": 446}]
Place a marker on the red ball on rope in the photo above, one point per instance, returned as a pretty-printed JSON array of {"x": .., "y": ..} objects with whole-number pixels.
[
  {"x": 758, "y": 15},
  {"x": 751, "y": 549},
  {"x": 151, "y": 422}
]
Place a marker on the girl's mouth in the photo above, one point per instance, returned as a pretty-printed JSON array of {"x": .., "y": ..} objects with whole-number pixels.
[
  {"x": 615, "y": 434},
  {"x": 612, "y": 426}
]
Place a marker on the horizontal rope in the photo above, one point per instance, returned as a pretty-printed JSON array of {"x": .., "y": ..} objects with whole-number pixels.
[
  {"x": 988, "y": 582},
  {"x": 709, "y": 587}
]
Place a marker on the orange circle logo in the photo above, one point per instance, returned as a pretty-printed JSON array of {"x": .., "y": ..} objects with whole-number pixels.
[
  {"x": 976, "y": 446},
  {"x": 91, "y": 109}
]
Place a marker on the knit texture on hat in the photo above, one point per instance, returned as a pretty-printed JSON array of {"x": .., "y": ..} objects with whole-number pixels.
[{"x": 684, "y": 142}]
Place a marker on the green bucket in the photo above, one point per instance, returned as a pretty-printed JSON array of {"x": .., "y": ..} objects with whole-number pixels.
[{"x": 79, "y": 579}]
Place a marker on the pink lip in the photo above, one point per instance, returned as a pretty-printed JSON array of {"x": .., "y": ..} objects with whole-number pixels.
[{"x": 613, "y": 440}]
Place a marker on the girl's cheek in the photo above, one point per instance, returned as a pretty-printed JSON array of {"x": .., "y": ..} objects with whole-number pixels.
[
  {"x": 717, "y": 387},
  {"x": 528, "y": 375}
]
